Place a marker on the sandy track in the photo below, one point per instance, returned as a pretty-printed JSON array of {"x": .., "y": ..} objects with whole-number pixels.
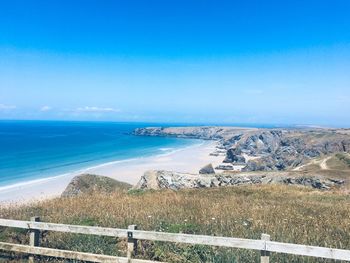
[{"x": 322, "y": 163}]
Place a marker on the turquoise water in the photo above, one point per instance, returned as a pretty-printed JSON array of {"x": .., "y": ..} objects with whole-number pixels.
[{"x": 38, "y": 149}]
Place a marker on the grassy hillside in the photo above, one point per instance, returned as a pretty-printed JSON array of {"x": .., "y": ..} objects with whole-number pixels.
[
  {"x": 340, "y": 161},
  {"x": 88, "y": 183},
  {"x": 288, "y": 214}
]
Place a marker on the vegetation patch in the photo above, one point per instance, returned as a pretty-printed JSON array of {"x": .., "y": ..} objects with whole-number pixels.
[
  {"x": 345, "y": 158},
  {"x": 287, "y": 213}
]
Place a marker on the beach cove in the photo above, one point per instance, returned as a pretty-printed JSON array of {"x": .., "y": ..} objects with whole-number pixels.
[{"x": 188, "y": 159}]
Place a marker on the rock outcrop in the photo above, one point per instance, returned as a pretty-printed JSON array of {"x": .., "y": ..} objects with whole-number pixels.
[
  {"x": 88, "y": 183},
  {"x": 234, "y": 155},
  {"x": 173, "y": 180}
]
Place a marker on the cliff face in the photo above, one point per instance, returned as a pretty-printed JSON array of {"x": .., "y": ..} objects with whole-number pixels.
[
  {"x": 285, "y": 149},
  {"x": 264, "y": 149},
  {"x": 205, "y": 133}
]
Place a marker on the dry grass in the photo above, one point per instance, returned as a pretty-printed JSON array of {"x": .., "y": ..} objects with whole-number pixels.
[
  {"x": 288, "y": 214},
  {"x": 339, "y": 161}
]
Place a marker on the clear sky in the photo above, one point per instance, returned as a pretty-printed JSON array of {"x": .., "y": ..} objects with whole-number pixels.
[{"x": 277, "y": 62}]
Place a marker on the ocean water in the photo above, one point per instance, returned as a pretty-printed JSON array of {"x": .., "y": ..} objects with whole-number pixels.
[{"x": 31, "y": 150}]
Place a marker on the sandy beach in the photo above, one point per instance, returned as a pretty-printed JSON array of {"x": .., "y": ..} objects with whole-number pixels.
[{"x": 189, "y": 160}]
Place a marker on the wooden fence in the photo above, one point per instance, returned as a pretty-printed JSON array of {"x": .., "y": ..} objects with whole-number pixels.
[{"x": 264, "y": 245}]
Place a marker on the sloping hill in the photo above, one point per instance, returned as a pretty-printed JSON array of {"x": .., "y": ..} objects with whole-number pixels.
[{"x": 89, "y": 183}]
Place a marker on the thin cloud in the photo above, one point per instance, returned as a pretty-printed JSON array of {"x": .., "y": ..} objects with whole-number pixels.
[
  {"x": 45, "y": 108},
  {"x": 7, "y": 107},
  {"x": 96, "y": 109}
]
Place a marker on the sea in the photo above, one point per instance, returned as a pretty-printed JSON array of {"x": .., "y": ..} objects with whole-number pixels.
[{"x": 32, "y": 150}]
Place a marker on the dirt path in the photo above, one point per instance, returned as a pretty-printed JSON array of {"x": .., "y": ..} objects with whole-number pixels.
[{"x": 323, "y": 163}]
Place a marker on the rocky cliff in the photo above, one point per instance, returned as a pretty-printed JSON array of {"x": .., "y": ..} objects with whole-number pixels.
[{"x": 263, "y": 149}]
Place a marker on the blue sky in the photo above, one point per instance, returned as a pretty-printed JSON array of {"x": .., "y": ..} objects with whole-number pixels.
[{"x": 282, "y": 62}]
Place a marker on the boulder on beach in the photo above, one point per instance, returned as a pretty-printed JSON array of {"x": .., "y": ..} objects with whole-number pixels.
[
  {"x": 88, "y": 183},
  {"x": 208, "y": 169},
  {"x": 224, "y": 167}
]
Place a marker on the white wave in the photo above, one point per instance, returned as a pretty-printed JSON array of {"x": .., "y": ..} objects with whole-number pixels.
[{"x": 165, "y": 149}]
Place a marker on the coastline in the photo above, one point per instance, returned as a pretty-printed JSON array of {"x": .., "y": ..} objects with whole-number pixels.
[{"x": 187, "y": 159}]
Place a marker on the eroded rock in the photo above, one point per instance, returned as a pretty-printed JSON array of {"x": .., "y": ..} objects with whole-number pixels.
[{"x": 173, "y": 180}]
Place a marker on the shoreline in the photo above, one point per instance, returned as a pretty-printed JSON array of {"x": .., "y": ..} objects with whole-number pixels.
[
  {"x": 186, "y": 159},
  {"x": 10, "y": 186}
]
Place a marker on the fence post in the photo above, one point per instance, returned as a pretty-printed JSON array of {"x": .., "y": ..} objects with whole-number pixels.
[
  {"x": 34, "y": 237},
  {"x": 132, "y": 243},
  {"x": 265, "y": 255}
]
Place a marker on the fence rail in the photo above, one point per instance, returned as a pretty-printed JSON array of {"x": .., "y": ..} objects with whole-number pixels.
[{"x": 132, "y": 234}]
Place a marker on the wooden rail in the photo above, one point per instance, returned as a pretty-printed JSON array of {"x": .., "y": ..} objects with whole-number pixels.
[{"x": 265, "y": 246}]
